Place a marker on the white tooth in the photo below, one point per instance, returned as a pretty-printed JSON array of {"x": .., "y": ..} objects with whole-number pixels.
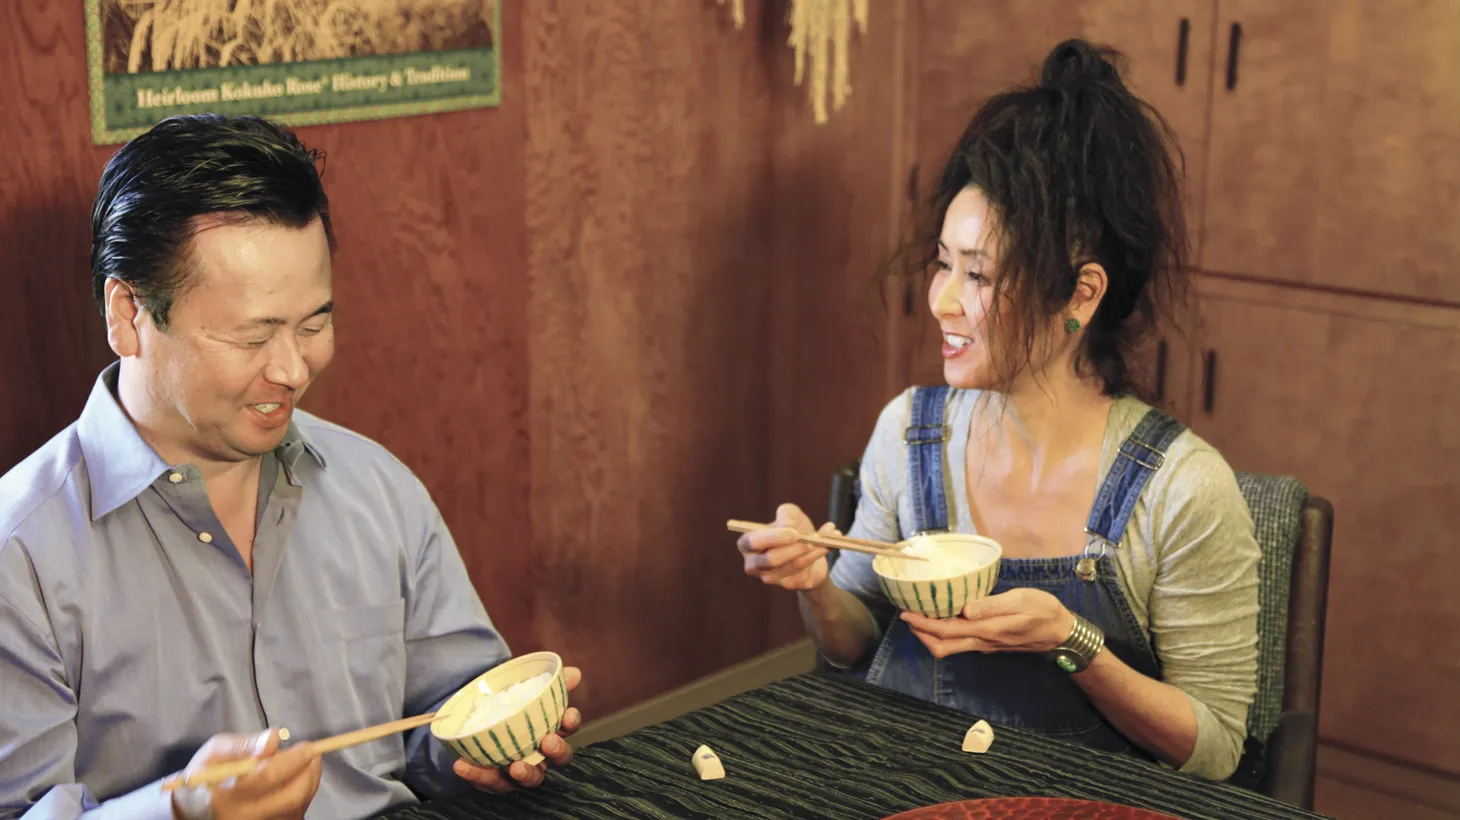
[
  {"x": 267, "y": 408},
  {"x": 956, "y": 341}
]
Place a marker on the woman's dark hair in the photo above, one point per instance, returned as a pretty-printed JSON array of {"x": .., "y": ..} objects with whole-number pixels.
[
  {"x": 1077, "y": 169},
  {"x": 191, "y": 166}
]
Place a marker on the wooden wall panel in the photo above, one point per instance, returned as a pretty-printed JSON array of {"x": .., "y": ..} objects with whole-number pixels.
[
  {"x": 1264, "y": 180},
  {"x": 1350, "y": 801},
  {"x": 634, "y": 300},
  {"x": 646, "y": 220},
  {"x": 1391, "y": 176},
  {"x": 1354, "y": 405},
  {"x": 431, "y": 359},
  {"x": 1353, "y": 785},
  {"x": 431, "y": 356},
  {"x": 52, "y": 336},
  {"x": 837, "y": 192},
  {"x": 1332, "y": 159}
]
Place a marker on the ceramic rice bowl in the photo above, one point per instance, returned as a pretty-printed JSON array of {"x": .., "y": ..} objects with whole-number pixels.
[
  {"x": 942, "y": 597},
  {"x": 518, "y": 736}
]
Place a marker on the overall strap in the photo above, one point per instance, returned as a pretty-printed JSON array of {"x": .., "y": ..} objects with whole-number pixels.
[
  {"x": 926, "y": 437},
  {"x": 1141, "y": 455}
]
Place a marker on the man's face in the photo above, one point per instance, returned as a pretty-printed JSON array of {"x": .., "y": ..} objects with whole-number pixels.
[{"x": 248, "y": 332}]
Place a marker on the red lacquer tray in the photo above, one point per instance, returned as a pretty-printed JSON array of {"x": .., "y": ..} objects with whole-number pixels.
[{"x": 1029, "y": 808}]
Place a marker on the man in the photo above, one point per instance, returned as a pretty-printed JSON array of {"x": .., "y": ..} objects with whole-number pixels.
[{"x": 194, "y": 556}]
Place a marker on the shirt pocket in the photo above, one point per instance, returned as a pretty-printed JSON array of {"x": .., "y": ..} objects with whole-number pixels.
[
  {"x": 360, "y": 622},
  {"x": 362, "y": 657}
]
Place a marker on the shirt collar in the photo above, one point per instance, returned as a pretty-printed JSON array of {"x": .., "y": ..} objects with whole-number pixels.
[
  {"x": 120, "y": 464},
  {"x": 292, "y": 448}
]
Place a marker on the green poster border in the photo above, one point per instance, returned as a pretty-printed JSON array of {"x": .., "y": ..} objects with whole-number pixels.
[{"x": 101, "y": 135}]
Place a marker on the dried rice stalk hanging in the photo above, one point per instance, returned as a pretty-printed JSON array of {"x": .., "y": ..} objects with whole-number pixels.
[
  {"x": 737, "y": 11},
  {"x": 822, "y": 29}
]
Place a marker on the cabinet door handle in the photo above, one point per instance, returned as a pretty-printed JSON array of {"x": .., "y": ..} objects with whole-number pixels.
[
  {"x": 1161, "y": 371},
  {"x": 1209, "y": 387},
  {"x": 1183, "y": 39},
  {"x": 1234, "y": 47}
]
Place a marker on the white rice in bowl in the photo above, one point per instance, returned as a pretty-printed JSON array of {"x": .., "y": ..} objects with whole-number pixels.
[
  {"x": 946, "y": 559},
  {"x": 489, "y": 708}
]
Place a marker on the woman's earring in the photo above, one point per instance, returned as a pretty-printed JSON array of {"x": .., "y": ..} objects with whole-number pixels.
[{"x": 1072, "y": 325}]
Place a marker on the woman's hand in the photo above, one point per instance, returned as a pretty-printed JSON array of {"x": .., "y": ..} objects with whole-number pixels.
[
  {"x": 775, "y": 556},
  {"x": 1020, "y": 620}
]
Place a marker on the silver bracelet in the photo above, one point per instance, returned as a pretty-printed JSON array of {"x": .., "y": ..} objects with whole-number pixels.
[{"x": 1080, "y": 648}]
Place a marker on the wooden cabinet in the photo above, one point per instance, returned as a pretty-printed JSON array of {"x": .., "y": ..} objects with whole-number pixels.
[
  {"x": 1262, "y": 171},
  {"x": 1354, "y": 396},
  {"x": 1332, "y": 154},
  {"x": 970, "y": 50}
]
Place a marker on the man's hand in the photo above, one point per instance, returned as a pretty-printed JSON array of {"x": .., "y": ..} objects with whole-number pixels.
[
  {"x": 279, "y": 788},
  {"x": 553, "y": 747}
]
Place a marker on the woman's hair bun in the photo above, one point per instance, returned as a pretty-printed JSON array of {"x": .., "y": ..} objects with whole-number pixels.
[{"x": 1074, "y": 63}]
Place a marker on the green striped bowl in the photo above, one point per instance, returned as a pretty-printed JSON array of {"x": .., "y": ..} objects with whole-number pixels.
[
  {"x": 941, "y": 597},
  {"x": 517, "y": 737}
]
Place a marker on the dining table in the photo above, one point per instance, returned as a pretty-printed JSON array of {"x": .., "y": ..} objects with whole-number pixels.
[{"x": 828, "y": 745}]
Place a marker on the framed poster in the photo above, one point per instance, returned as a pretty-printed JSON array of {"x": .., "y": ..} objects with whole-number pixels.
[{"x": 301, "y": 62}]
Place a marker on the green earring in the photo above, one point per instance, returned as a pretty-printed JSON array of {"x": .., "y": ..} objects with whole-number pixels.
[{"x": 1072, "y": 325}]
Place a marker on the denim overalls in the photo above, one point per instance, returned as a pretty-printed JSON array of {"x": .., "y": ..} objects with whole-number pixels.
[{"x": 1020, "y": 688}]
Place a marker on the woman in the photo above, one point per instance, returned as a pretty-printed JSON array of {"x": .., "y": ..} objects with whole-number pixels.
[{"x": 1127, "y": 545}]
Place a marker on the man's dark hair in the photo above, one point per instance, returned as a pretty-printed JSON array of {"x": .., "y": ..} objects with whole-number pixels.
[{"x": 186, "y": 167}]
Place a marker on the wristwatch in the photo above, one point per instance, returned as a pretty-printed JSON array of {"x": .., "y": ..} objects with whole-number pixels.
[{"x": 1078, "y": 650}]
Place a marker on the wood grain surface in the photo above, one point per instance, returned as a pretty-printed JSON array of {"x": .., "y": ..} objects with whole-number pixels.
[
  {"x": 631, "y": 302},
  {"x": 1350, "y": 407}
]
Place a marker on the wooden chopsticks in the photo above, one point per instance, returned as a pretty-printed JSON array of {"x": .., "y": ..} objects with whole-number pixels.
[
  {"x": 219, "y": 772},
  {"x": 835, "y": 542}
]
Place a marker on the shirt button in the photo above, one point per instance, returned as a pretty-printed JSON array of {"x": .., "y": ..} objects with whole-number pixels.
[
  {"x": 175, "y": 478},
  {"x": 205, "y": 538}
]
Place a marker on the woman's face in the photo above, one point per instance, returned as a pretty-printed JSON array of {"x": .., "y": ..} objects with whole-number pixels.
[
  {"x": 981, "y": 350},
  {"x": 961, "y": 292}
]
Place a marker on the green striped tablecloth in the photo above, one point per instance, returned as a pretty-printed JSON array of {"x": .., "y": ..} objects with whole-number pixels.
[{"x": 821, "y": 745}]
